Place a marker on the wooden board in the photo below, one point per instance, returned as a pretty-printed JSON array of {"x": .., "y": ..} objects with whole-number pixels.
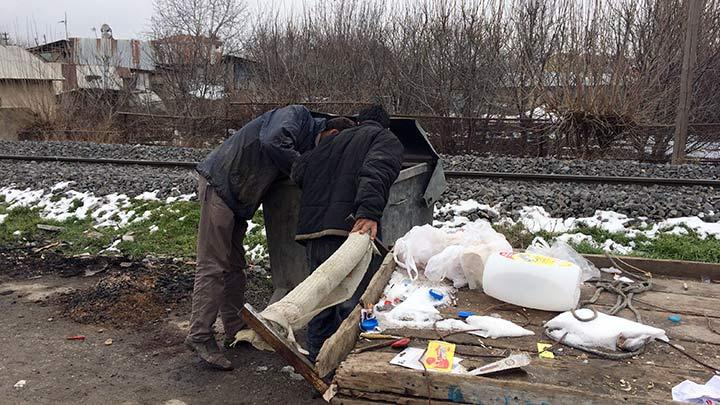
[
  {"x": 572, "y": 377},
  {"x": 371, "y": 372},
  {"x": 299, "y": 362},
  {"x": 670, "y": 268}
]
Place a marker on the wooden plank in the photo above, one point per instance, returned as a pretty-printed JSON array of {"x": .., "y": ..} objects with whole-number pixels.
[
  {"x": 282, "y": 347},
  {"x": 383, "y": 398},
  {"x": 672, "y": 268},
  {"x": 696, "y": 288},
  {"x": 371, "y": 372},
  {"x": 670, "y": 302},
  {"x": 657, "y": 354},
  {"x": 693, "y": 326},
  {"x": 339, "y": 345},
  {"x": 344, "y": 400}
]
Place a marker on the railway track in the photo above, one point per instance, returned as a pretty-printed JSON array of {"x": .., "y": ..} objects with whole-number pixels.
[
  {"x": 560, "y": 178},
  {"x": 453, "y": 174}
]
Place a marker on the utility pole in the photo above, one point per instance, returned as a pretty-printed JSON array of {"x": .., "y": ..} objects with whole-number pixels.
[
  {"x": 64, "y": 21},
  {"x": 694, "y": 10}
]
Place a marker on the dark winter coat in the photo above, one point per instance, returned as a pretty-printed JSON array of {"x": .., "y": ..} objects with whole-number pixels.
[
  {"x": 242, "y": 169},
  {"x": 349, "y": 173}
]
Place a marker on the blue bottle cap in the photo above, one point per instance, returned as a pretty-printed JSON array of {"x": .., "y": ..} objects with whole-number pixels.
[
  {"x": 369, "y": 324},
  {"x": 436, "y": 294},
  {"x": 465, "y": 314},
  {"x": 674, "y": 318}
]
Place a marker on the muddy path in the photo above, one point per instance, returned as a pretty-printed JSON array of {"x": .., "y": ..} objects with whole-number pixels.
[{"x": 143, "y": 308}]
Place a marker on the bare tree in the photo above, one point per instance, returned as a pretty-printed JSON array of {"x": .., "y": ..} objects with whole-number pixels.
[{"x": 191, "y": 38}]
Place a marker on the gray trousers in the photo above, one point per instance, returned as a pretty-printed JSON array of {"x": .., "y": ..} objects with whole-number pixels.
[{"x": 220, "y": 278}]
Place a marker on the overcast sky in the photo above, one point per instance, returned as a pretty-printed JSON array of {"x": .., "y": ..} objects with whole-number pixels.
[{"x": 30, "y": 19}]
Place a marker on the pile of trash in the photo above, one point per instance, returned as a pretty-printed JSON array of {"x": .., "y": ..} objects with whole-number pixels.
[{"x": 545, "y": 276}]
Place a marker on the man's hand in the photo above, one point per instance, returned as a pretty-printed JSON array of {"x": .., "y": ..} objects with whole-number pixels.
[{"x": 364, "y": 225}]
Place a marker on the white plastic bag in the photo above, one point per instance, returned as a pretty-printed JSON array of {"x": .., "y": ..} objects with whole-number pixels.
[
  {"x": 479, "y": 231},
  {"x": 446, "y": 264},
  {"x": 414, "y": 250},
  {"x": 480, "y": 241},
  {"x": 464, "y": 259},
  {"x": 563, "y": 251}
]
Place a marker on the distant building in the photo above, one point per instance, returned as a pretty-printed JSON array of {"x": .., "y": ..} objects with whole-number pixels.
[
  {"x": 203, "y": 65},
  {"x": 102, "y": 63},
  {"x": 27, "y": 89}
]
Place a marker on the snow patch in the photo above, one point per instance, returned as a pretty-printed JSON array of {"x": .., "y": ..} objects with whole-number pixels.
[{"x": 148, "y": 196}]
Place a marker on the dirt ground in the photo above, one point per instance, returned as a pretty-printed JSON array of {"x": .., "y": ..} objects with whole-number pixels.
[{"x": 146, "y": 363}]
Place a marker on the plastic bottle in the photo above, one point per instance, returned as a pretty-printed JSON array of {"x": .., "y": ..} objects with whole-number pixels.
[{"x": 532, "y": 281}]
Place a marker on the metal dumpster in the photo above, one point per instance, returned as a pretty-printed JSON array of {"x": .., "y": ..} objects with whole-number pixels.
[{"x": 411, "y": 200}]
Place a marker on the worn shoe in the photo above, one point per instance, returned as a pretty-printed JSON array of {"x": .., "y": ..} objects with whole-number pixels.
[
  {"x": 227, "y": 341},
  {"x": 210, "y": 353}
]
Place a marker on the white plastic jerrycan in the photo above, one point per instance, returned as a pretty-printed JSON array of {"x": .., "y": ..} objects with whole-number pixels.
[{"x": 532, "y": 281}]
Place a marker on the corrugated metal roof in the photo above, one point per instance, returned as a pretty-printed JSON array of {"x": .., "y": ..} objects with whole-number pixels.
[
  {"x": 126, "y": 53},
  {"x": 19, "y": 64}
]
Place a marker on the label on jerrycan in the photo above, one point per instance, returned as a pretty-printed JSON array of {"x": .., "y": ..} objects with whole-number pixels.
[{"x": 536, "y": 259}]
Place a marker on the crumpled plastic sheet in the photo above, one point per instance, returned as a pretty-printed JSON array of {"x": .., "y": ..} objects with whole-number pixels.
[{"x": 694, "y": 393}]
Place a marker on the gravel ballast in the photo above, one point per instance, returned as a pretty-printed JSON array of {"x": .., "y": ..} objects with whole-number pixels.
[
  {"x": 102, "y": 150},
  {"x": 621, "y": 168},
  {"x": 559, "y": 199},
  {"x": 100, "y": 179}
]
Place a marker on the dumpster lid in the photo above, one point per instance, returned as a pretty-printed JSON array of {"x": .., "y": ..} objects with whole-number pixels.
[{"x": 413, "y": 137}]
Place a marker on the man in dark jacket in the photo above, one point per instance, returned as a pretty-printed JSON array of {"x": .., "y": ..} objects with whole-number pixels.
[
  {"x": 347, "y": 175},
  {"x": 234, "y": 179}
]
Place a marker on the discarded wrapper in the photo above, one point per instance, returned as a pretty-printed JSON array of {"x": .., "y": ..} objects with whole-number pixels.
[
  {"x": 410, "y": 358},
  {"x": 439, "y": 356},
  {"x": 543, "y": 353},
  {"x": 512, "y": 362}
]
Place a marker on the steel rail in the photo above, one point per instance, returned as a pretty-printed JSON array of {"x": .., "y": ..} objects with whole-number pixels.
[
  {"x": 125, "y": 162},
  {"x": 567, "y": 178},
  {"x": 560, "y": 178}
]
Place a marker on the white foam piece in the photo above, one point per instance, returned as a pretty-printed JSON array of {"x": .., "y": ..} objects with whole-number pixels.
[
  {"x": 490, "y": 327},
  {"x": 602, "y": 332}
]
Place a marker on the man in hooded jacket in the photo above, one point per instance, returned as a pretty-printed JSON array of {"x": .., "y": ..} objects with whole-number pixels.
[
  {"x": 233, "y": 181},
  {"x": 345, "y": 183}
]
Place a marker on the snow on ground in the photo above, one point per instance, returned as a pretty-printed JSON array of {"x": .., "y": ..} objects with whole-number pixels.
[
  {"x": 536, "y": 219},
  {"x": 60, "y": 204},
  {"x": 119, "y": 210},
  {"x": 115, "y": 211},
  {"x": 466, "y": 206}
]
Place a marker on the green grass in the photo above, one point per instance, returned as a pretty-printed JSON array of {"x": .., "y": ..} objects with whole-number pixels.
[
  {"x": 664, "y": 246},
  {"x": 682, "y": 247},
  {"x": 174, "y": 237},
  {"x": 601, "y": 235},
  {"x": 518, "y": 236}
]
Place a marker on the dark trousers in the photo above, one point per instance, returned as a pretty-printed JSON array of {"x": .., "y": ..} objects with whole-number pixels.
[
  {"x": 220, "y": 278},
  {"x": 324, "y": 324}
]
